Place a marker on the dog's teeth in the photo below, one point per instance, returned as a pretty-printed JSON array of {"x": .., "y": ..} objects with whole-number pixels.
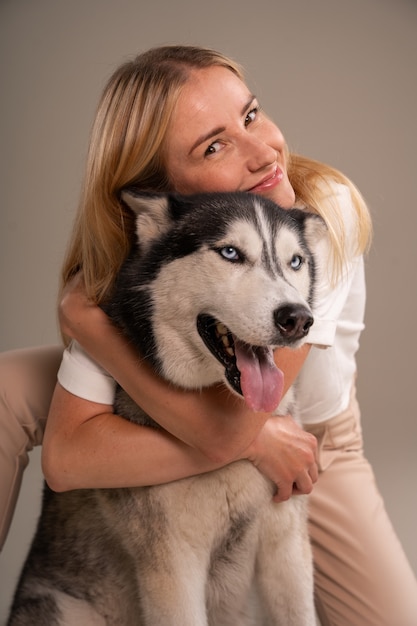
[
  {"x": 221, "y": 329},
  {"x": 226, "y": 344},
  {"x": 225, "y": 341}
]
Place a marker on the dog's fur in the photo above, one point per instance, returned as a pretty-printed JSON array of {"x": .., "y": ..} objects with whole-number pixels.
[{"x": 192, "y": 552}]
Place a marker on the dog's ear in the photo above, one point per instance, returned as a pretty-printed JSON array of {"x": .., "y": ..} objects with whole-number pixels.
[
  {"x": 314, "y": 226},
  {"x": 152, "y": 210}
]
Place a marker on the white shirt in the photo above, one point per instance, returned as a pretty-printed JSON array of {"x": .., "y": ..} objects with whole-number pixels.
[{"x": 325, "y": 380}]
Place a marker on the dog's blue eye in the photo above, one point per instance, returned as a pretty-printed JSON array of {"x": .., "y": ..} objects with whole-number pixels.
[
  {"x": 230, "y": 253},
  {"x": 296, "y": 262}
]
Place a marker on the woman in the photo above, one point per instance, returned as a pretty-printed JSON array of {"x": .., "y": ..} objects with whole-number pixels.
[{"x": 182, "y": 118}]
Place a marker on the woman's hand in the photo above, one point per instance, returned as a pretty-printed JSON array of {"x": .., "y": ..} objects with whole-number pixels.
[{"x": 285, "y": 454}]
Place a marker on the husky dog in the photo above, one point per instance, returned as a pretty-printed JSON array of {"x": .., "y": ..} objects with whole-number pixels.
[{"x": 212, "y": 284}]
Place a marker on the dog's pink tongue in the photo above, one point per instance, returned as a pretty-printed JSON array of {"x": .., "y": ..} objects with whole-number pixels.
[{"x": 261, "y": 381}]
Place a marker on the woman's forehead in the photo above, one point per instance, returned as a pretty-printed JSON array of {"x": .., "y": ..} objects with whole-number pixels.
[
  {"x": 202, "y": 81},
  {"x": 212, "y": 92}
]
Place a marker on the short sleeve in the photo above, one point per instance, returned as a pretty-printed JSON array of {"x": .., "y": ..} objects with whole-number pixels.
[{"x": 83, "y": 377}]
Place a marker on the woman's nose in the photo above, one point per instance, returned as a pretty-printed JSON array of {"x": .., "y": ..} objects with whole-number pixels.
[{"x": 260, "y": 154}]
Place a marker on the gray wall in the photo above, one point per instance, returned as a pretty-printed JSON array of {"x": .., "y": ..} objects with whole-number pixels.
[{"x": 340, "y": 80}]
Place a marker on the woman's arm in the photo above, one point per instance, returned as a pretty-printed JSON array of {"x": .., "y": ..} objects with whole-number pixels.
[{"x": 86, "y": 445}]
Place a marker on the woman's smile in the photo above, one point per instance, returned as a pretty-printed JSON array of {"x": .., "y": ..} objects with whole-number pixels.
[{"x": 269, "y": 182}]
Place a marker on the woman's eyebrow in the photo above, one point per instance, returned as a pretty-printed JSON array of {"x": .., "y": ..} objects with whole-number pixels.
[{"x": 220, "y": 129}]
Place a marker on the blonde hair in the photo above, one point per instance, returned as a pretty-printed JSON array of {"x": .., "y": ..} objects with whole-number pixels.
[
  {"x": 313, "y": 183},
  {"x": 126, "y": 147}
]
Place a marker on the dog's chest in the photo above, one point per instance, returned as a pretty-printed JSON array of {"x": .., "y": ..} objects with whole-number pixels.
[{"x": 208, "y": 512}]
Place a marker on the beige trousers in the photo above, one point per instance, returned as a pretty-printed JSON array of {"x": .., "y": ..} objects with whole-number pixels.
[
  {"x": 27, "y": 381},
  {"x": 362, "y": 575}
]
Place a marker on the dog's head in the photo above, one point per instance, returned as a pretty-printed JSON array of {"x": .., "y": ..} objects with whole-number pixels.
[{"x": 213, "y": 284}]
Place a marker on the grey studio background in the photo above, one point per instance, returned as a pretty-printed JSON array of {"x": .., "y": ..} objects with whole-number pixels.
[{"x": 338, "y": 77}]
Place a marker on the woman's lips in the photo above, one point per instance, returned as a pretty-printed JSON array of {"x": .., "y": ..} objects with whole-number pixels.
[{"x": 269, "y": 181}]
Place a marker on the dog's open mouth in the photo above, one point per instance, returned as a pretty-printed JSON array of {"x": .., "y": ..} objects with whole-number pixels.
[{"x": 250, "y": 370}]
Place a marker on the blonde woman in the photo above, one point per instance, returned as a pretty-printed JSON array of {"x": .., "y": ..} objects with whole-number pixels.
[{"x": 182, "y": 118}]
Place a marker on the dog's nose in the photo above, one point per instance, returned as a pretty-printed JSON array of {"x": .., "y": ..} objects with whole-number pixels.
[{"x": 293, "y": 321}]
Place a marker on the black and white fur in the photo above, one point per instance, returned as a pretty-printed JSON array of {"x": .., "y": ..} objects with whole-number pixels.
[{"x": 207, "y": 276}]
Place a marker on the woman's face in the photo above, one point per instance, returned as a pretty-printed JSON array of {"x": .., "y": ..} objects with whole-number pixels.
[{"x": 220, "y": 140}]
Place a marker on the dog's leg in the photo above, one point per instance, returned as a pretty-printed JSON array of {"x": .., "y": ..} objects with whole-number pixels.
[
  {"x": 54, "y": 608},
  {"x": 44, "y": 605},
  {"x": 230, "y": 581},
  {"x": 284, "y": 574},
  {"x": 173, "y": 592},
  {"x": 74, "y": 612}
]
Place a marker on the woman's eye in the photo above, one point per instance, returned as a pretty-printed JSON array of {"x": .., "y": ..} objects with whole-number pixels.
[
  {"x": 296, "y": 262},
  {"x": 230, "y": 253},
  {"x": 212, "y": 149},
  {"x": 251, "y": 116}
]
